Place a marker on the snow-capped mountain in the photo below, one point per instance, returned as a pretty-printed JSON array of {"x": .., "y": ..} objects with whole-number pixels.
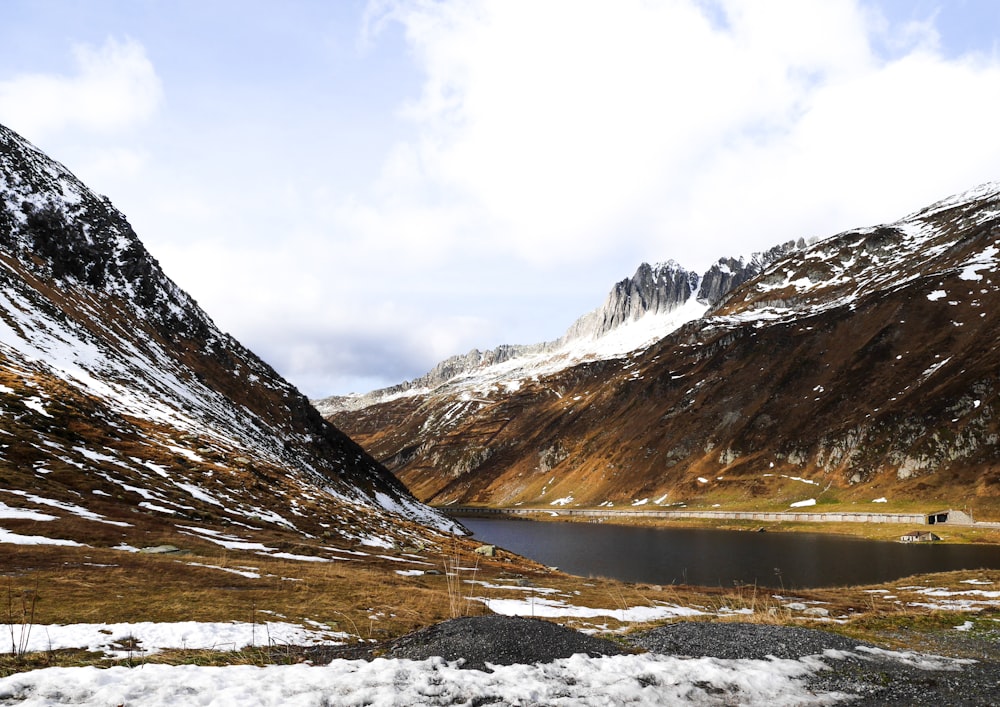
[
  {"x": 120, "y": 398},
  {"x": 638, "y": 311},
  {"x": 860, "y": 365}
]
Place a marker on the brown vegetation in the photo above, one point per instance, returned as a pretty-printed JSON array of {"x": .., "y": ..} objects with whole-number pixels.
[{"x": 366, "y": 598}]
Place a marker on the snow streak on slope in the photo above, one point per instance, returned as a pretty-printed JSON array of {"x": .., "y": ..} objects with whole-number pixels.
[
  {"x": 839, "y": 271},
  {"x": 109, "y": 369}
]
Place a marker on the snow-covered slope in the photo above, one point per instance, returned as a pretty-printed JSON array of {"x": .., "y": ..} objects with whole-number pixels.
[
  {"x": 115, "y": 385},
  {"x": 866, "y": 360}
]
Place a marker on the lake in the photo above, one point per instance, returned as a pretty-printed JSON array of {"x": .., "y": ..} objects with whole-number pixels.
[{"x": 708, "y": 557}]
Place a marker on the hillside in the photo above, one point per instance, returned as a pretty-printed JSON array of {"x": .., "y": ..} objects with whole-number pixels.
[
  {"x": 128, "y": 419},
  {"x": 859, "y": 367}
]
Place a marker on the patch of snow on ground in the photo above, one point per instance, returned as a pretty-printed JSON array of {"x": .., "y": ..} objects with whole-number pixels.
[
  {"x": 297, "y": 558},
  {"x": 799, "y": 478},
  {"x": 929, "y": 371},
  {"x": 197, "y": 493},
  {"x": 647, "y": 679},
  {"x": 35, "y": 403},
  {"x": 880, "y": 500},
  {"x": 235, "y": 544},
  {"x": 10, "y": 512},
  {"x": 982, "y": 261},
  {"x": 538, "y": 607},
  {"x": 68, "y": 507},
  {"x": 154, "y": 637},
  {"x": 245, "y": 572},
  {"x": 17, "y": 539},
  {"x": 375, "y": 541}
]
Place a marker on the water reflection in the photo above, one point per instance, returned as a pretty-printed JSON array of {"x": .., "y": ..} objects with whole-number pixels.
[{"x": 723, "y": 557}]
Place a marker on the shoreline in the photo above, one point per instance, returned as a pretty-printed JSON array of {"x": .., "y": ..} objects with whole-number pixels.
[{"x": 873, "y": 526}]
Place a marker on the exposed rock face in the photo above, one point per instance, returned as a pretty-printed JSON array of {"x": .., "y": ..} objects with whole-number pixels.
[
  {"x": 652, "y": 290},
  {"x": 729, "y": 273},
  {"x": 865, "y": 364},
  {"x": 112, "y": 378}
]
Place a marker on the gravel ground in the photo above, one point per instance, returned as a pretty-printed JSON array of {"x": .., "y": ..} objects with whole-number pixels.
[
  {"x": 735, "y": 640},
  {"x": 877, "y": 677}
]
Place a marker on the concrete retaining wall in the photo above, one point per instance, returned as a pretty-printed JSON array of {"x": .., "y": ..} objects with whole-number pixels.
[{"x": 793, "y": 516}]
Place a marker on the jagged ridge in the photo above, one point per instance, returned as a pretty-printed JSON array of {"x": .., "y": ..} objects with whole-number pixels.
[{"x": 654, "y": 290}]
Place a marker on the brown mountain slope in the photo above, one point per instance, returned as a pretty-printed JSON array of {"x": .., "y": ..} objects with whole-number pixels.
[
  {"x": 863, "y": 366},
  {"x": 128, "y": 418}
]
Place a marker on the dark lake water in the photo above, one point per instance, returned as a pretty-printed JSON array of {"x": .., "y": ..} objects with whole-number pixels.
[{"x": 723, "y": 557}]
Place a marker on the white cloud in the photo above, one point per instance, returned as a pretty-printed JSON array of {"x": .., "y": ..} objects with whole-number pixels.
[
  {"x": 548, "y": 140},
  {"x": 113, "y": 87},
  {"x": 682, "y": 129},
  {"x": 539, "y": 152}
]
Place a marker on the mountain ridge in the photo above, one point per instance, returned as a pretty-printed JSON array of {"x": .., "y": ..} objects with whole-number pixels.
[
  {"x": 863, "y": 363},
  {"x": 654, "y": 291},
  {"x": 114, "y": 384}
]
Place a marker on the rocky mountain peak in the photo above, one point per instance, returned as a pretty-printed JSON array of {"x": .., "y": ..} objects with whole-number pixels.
[
  {"x": 664, "y": 296},
  {"x": 651, "y": 290}
]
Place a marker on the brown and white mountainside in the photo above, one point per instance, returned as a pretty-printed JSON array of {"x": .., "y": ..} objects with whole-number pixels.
[
  {"x": 126, "y": 416},
  {"x": 863, "y": 366}
]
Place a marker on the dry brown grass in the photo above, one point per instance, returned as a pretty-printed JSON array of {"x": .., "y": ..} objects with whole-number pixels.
[{"x": 368, "y": 599}]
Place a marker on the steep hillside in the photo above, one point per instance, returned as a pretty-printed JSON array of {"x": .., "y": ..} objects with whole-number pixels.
[
  {"x": 127, "y": 417},
  {"x": 863, "y": 366}
]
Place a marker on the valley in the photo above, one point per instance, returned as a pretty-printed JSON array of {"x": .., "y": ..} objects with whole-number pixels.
[{"x": 167, "y": 498}]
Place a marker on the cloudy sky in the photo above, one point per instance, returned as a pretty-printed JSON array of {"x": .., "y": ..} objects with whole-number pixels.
[{"x": 356, "y": 190}]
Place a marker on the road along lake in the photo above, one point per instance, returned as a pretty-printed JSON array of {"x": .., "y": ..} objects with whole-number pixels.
[{"x": 707, "y": 557}]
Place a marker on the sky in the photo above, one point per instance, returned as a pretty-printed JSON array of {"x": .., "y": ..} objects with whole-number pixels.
[{"x": 357, "y": 190}]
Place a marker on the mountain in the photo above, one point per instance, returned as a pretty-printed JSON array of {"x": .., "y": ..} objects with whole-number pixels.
[
  {"x": 127, "y": 417},
  {"x": 638, "y": 311},
  {"x": 858, "y": 367}
]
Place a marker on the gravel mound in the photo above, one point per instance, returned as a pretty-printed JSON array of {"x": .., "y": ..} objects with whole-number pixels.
[
  {"x": 739, "y": 640},
  {"x": 501, "y": 640}
]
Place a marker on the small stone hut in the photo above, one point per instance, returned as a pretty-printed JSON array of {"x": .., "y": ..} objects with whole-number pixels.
[{"x": 919, "y": 536}]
